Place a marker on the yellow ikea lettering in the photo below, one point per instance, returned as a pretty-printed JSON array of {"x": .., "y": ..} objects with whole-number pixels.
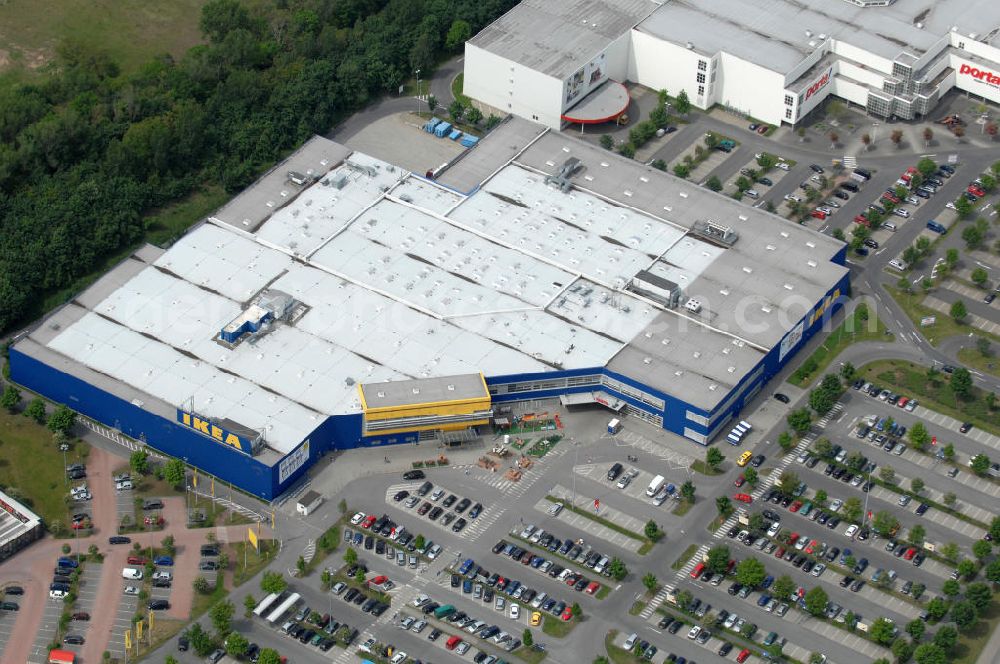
[
  {"x": 209, "y": 429},
  {"x": 234, "y": 440}
]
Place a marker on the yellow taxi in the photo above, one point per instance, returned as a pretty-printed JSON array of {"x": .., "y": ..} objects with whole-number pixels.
[
  {"x": 536, "y": 619},
  {"x": 744, "y": 459}
]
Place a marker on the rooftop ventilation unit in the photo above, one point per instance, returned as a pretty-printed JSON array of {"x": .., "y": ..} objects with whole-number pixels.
[
  {"x": 710, "y": 230},
  {"x": 570, "y": 167},
  {"x": 693, "y": 305},
  {"x": 657, "y": 288},
  {"x": 297, "y": 178}
]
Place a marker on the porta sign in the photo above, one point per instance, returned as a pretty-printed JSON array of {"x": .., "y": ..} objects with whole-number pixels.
[
  {"x": 200, "y": 425},
  {"x": 819, "y": 84},
  {"x": 984, "y": 75}
]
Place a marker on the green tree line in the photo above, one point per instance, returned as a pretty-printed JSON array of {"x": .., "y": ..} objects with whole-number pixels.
[{"x": 86, "y": 151}]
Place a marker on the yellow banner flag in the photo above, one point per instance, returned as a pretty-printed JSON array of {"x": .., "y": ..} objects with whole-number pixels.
[
  {"x": 253, "y": 539},
  {"x": 138, "y": 630},
  {"x": 128, "y": 639},
  {"x": 150, "y": 621},
  {"x": 194, "y": 480}
]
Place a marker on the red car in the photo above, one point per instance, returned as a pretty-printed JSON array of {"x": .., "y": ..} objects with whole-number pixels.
[
  {"x": 154, "y": 521},
  {"x": 743, "y": 656},
  {"x": 730, "y": 566},
  {"x": 136, "y": 560},
  {"x": 793, "y": 538},
  {"x": 862, "y": 219},
  {"x": 743, "y": 498},
  {"x": 976, "y": 191},
  {"x": 780, "y": 552},
  {"x": 698, "y": 569},
  {"x": 794, "y": 507},
  {"x": 811, "y": 546},
  {"x": 909, "y": 553},
  {"x": 739, "y": 481},
  {"x": 762, "y": 129},
  {"x": 369, "y": 520},
  {"x": 890, "y": 197},
  {"x": 81, "y": 525},
  {"x": 902, "y": 402},
  {"x": 567, "y": 614},
  {"x": 592, "y": 587},
  {"x": 818, "y": 214}
]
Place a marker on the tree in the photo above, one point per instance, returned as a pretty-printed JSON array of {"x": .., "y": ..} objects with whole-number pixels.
[
  {"x": 949, "y": 499},
  {"x": 963, "y": 614},
  {"x": 273, "y": 582},
  {"x": 949, "y": 551},
  {"x": 821, "y": 401},
  {"x": 36, "y": 410},
  {"x": 834, "y": 137},
  {"x": 928, "y": 136},
  {"x": 847, "y": 372},
  {"x": 783, "y": 587},
  {"x": 917, "y": 485},
  {"x": 949, "y": 452},
  {"x": 785, "y": 441},
  {"x": 200, "y": 640},
  {"x": 799, "y": 420},
  {"x": 788, "y": 483},
  {"x": 946, "y": 638},
  {"x": 724, "y": 505},
  {"x": 617, "y": 569},
  {"x": 350, "y": 557},
  {"x": 717, "y": 559},
  {"x": 916, "y": 535},
  {"x": 897, "y": 138},
  {"x": 884, "y": 523},
  {"x": 816, "y": 658},
  {"x": 866, "y": 139},
  {"x": 458, "y": 34},
  {"x": 979, "y": 277},
  {"x": 882, "y": 631},
  {"x": 683, "y": 599},
  {"x": 221, "y": 615},
  {"x": 979, "y": 595},
  {"x": 979, "y": 464},
  {"x": 607, "y": 142},
  {"x": 750, "y": 476},
  {"x": 742, "y": 184},
  {"x": 917, "y": 590},
  {"x": 958, "y": 311},
  {"x": 919, "y": 436},
  {"x": 682, "y": 103},
  {"x": 11, "y": 398},
  {"x": 269, "y": 656},
  {"x": 963, "y": 207},
  {"x": 432, "y": 103},
  {"x": 750, "y": 572},
  {"x": 649, "y": 580},
  {"x": 474, "y": 116},
  {"x": 138, "y": 461},
  {"x": 687, "y": 491},
  {"x": 961, "y": 380},
  {"x": 659, "y": 164},
  {"x": 714, "y": 183},
  {"x": 174, "y": 472},
  {"x": 682, "y": 171},
  {"x": 916, "y": 629},
  {"x": 981, "y": 549},
  {"x": 766, "y": 161},
  {"x": 359, "y": 576},
  {"x": 816, "y": 601},
  {"x": 249, "y": 604},
  {"x": 456, "y": 110},
  {"x": 966, "y": 568},
  {"x": 937, "y": 608},
  {"x": 820, "y": 498},
  {"x": 757, "y": 524},
  {"x": 652, "y": 531},
  {"x": 994, "y": 529},
  {"x": 527, "y": 638},
  {"x": 713, "y": 457},
  {"x": 711, "y": 140},
  {"x": 928, "y": 653},
  {"x": 237, "y": 644},
  {"x": 62, "y": 420},
  {"x": 824, "y": 448},
  {"x": 985, "y": 349},
  {"x": 577, "y": 611}
]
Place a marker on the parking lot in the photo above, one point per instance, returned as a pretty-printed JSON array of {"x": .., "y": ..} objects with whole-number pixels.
[
  {"x": 47, "y": 628},
  {"x": 86, "y": 602}
]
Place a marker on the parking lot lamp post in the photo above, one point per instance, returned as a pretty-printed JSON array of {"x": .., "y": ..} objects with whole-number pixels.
[
  {"x": 576, "y": 459},
  {"x": 417, "y": 74},
  {"x": 864, "y": 519}
]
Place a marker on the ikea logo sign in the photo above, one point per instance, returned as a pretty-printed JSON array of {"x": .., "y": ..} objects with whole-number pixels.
[{"x": 200, "y": 425}]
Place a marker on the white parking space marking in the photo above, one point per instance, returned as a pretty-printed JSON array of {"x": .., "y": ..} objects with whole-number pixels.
[{"x": 591, "y": 527}]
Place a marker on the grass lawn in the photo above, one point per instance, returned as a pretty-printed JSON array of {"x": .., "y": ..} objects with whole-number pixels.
[
  {"x": 255, "y": 562},
  {"x": 31, "y": 464},
  {"x": 911, "y": 379},
  {"x": 972, "y": 358},
  {"x": 683, "y": 507},
  {"x": 530, "y": 655},
  {"x": 971, "y": 643},
  {"x": 616, "y": 654},
  {"x": 164, "y": 226},
  {"x": 131, "y": 31},
  {"x": 700, "y": 466},
  {"x": 852, "y": 330},
  {"x": 557, "y": 627},
  {"x": 636, "y": 608},
  {"x": 944, "y": 325},
  {"x": 456, "y": 89},
  {"x": 684, "y": 557}
]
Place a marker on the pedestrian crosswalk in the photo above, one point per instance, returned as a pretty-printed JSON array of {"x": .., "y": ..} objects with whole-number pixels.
[
  {"x": 850, "y": 161},
  {"x": 658, "y": 599}
]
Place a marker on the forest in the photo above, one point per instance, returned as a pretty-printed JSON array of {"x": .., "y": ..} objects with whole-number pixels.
[{"x": 86, "y": 151}]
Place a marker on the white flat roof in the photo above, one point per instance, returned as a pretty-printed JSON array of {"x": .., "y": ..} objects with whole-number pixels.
[
  {"x": 772, "y": 33},
  {"x": 397, "y": 278}
]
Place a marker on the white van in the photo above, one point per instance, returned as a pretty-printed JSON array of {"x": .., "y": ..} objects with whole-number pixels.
[
  {"x": 733, "y": 439},
  {"x": 131, "y": 573},
  {"x": 740, "y": 430},
  {"x": 746, "y": 425},
  {"x": 655, "y": 485},
  {"x": 124, "y": 485},
  {"x": 630, "y": 641}
]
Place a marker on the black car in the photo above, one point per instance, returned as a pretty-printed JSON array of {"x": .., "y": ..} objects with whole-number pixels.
[
  {"x": 14, "y": 590},
  {"x": 414, "y": 475},
  {"x": 841, "y": 194},
  {"x": 765, "y": 181},
  {"x": 209, "y": 549},
  {"x": 161, "y": 583},
  {"x": 159, "y": 605},
  {"x": 725, "y": 649},
  {"x": 966, "y": 427},
  {"x": 119, "y": 539},
  {"x": 74, "y": 639},
  {"x": 923, "y": 507},
  {"x": 424, "y": 489},
  {"x": 458, "y": 525},
  {"x": 676, "y": 627},
  {"x": 476, "y": 510},
  {"x": 435, "y": 513},
  {"x": 400, "y": 495},
  {"x": 757, "y": 461},
  {"x": 9, "y": 606},
  {"x": 816, "y": 168},
  {"x": 783, "y": 398},
  {"x": 449, "y": 501},
  {"x": 463, "y": 505}
]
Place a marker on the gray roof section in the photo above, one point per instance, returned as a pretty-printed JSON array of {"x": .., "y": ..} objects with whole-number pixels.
[
  {"x": 772, "y": 33},
  {"x": 491, "y": 154},
  {"x": 557, "y": 38},
  {"x": 396, "y": 393},
  {"x": 273, "y": 190}
]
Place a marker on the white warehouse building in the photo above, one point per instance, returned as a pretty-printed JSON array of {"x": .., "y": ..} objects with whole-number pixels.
[{"x": 775, "y": 60}]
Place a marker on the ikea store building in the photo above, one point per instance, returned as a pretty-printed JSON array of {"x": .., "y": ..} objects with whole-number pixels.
[{"x": 342, "y": 302}]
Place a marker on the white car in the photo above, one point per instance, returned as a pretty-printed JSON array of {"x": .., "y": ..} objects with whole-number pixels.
[
  {"x": 950, "y": 205},
  {"x": 357, "y": 518},
  {"x": 898, "y": 264},
  {"x": 436, "y": 496},
  {"x": 539, "y": 599},
  {"x": 825, "y": 210},
  {"x": 555, "y": 509},
  {"x": 913, "y": 200},
  {"x": 817, "y": 570},
  {"x": 851, "y": 531},
  {"x": 782, "y": 165},
  {"x": 57, "y": 594},
  {"x": 694, "y": 631},
  {"x": 515, "y": 611},
  {"x": 773, "y": 530},
  {"x": 900, "y": 212},
  {"x": 500, "y": 603},
  {"x": 398, "y": 658},
  {"x": 162, "y": 575},
  {"x": 831, "y": 203},
  {"x": 131, "y": 590},
  {"x": 420, "y": 600},
  {"x": 793, "y": 197},
  {"x": 836, "y": 504}
]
